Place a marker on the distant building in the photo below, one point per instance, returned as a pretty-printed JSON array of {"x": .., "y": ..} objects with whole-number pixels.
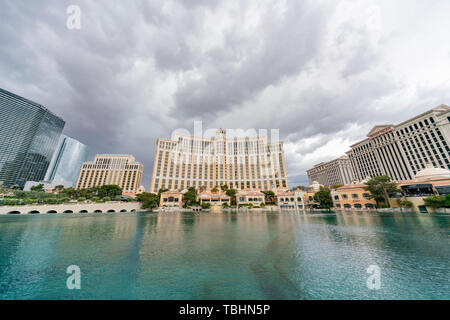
[
  {"x": 241, "y": 163},
  {"x": 401, "y": 151},
  {"x": 353, "y": 196},
  {"x": 291, "y": 200},
  {"x": 121, "y": 170},
  {"x": 309, "y": 194},
  {"x": 215, "y": 199},
  {"x": 29, "y": 135},
  {"x": 256, "y": 198},
  {"x": 171, "y": 199},
  {"x": 67, "y": 160},
  {"x": 427, "y": 183},
  {"x": 337, "y": 171}
]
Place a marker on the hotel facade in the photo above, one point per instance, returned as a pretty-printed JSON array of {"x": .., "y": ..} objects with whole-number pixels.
[
  {"x": 241, "y": 163},
  {"x": 29, "y": 135},
  {"x": 398, "y": 151},
  {"x": 401, "y": 151},
  {"x": 121, "y": 170},
  {"x": 337, "y": 171}
]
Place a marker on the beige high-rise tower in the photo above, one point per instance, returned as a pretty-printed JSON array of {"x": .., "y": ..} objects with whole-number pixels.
[
  {"x": 241, "y": 163},
  {"x": 121, "y": 170}
]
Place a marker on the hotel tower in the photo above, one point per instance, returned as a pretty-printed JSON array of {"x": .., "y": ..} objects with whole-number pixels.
[
  {"x": 121, "y": 170},
  {"x": 241, "y": 163},
  {"x": 401, "y": 151}
]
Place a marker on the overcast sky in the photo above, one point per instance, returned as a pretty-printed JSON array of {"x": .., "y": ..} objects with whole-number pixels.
[{"x": 322, "y": 72}]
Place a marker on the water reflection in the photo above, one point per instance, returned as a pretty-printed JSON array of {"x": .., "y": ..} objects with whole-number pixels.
[{"x": 257, "y": 255}]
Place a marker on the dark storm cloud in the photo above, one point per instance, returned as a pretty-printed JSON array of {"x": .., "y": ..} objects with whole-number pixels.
[
  {"x": 138, "y": 70},
  {"x": 246, "y": 64}
]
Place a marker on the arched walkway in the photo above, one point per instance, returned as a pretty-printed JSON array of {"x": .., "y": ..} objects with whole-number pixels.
[
  {"x": 111, "y": 211},
  {"x": 52, "y": 211},
  {"x": 134, "y": 210},
  {"x": 83, "y": 211},
  {"x": 123, "y": 210},
  {"x": 68, "y": 211},
  {"x": 34, "y": 212},
  {"x": 98, "y": 211},
  {"x": 14, "y": 212}
]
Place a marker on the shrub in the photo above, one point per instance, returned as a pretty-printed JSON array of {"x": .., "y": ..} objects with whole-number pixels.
[
  {"x": 106, "y": 199},
  {"x": 206, "y": 205}
]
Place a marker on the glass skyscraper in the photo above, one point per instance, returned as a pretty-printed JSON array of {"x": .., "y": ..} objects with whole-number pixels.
[
  {"x": 29, "y": 135},
  {"x": 67, "y": 160}
]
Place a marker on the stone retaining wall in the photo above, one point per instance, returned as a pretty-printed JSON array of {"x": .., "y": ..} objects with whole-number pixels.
[{"x": 113, "y": 206}]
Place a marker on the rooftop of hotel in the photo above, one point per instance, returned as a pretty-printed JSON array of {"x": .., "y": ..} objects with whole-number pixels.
[
  {"x": 352, "y": 186},
  {"x": 432, "y": 172},
  {"x": 284, "y": 193},
  {"x": 172, "y": 192},
  {"x": 250, "y": 192}
]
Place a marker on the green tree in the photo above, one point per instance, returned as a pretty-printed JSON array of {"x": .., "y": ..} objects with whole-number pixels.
[
  {"x": 301, "y": 188},
  {"x": 404, "y": 203},
  {"x": 39, "y": 188},
  {"x": 58, "y": 188},
  {"x": 269, "y": 196},
  {"x": 437, "y": 201},
  {"x": 190, "y": 197},
  {"x": 206, "y": 205},
  {"x": 232, "y": 193},
  {"x": 215, "y": 189},
  {"x": 148, "y": 200},
  {"x": 379, "y": 187},
  {"x": 110, "y": 191},
  {"x": 51, "y": 201},
  {"x": 160, "y": 192},
  {"x": 70, "y": 192},
  {"x": 323, "y": 197},
  {"x": 224, "y": 187}
]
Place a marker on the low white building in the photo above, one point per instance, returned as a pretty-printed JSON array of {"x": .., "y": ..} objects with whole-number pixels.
[{"x": 291, "y": 200}]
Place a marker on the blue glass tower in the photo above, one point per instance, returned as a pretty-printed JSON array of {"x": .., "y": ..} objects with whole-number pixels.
[
  {"x": 29, "y": 135},
  {"x": 67, "y": 160}
]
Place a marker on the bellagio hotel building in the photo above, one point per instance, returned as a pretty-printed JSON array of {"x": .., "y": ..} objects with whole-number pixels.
[
  {"x": 121, "y": 170},
  {"x": 241, "y": 163}
]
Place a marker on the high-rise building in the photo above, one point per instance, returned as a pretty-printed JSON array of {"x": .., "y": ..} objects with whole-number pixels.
[
  {"x": 337, "y": 171},
  {"x": 67, "y": 160},
  {"x": 29, "y": 135},
  {"x": 241, "y": 163},
  {"x": 121, "y": 170},
  {"x": 400, "y": 151}
]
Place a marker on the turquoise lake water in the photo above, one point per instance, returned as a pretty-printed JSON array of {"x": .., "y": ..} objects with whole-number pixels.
[{"x": 253, "y": 255}]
